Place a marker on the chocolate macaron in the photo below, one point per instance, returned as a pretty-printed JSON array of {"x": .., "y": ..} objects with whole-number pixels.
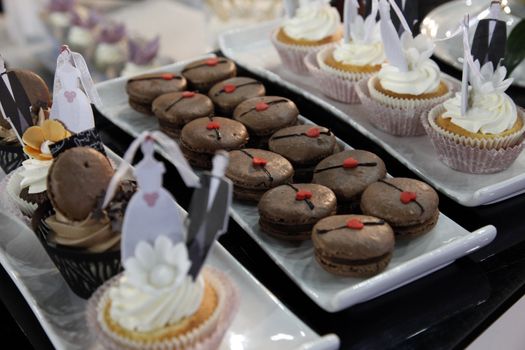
[
  {"x": 76, "y": 180},
  {"x": 265, "y": 115},
  {"x": 201, "y": 138},
  {"x": 255, "y": 171},
  {"x": 353, "y": 245},
  {"x": 177, "y": 109},
  {"x": 203, "y": 74},
  {"x": 409, "y": 206},
  {"x": 145, "y": 88},
  {"x": 304, "y": 146},
  {"x": 348, "y": 174},
  {"x": 289, "y": 211},
  {"x": 228, "y": 94}
]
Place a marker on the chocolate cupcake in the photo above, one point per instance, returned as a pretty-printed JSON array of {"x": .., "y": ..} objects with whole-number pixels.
[
  {"x": 289, "y": 211},
  {"x": 254, "y": 171},
  {"x": 203, "y": 74},
  {"x": 228, "y": 94},
  {"x": 304, "y": 146},
  {"x": 265, "y": 115},
  {"x": 348, "y": 174},
  {"x": 409, "y": 206},
  {"x": 143, "y": 89},
  {"x": 353, "y": 245},
  {"x": 177, "y": 109},
  {"x": 201, "y": 138}
]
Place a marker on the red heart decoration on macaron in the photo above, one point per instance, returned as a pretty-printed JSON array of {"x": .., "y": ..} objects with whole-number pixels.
[
  {"x": 350, "y": 163},
  {"x": 256, "y": 161},
  {"x": 229, "y": 88},
  {"x": 301, "y": 195},
  {"x": 313, "y": 132},
  {"x": 261, "y": 106},
  {"x": 407, "y": 197},
  {"x": 188, "y": 94},
  {"x": 355, "y": 224},
  {"x": 212, "y": 61},
  {"x": 168, "y": 76},
  {"x": 213, "y": 125}
]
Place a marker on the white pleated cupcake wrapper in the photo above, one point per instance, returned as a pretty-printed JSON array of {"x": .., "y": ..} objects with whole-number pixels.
[
  {"x": 353, "y": 76},
  {"x": 500, "y": 142},
  {"x": 468, "y": 158},
  {"x": 207, "y": 336},
  {"x": 13, "y": 192},
  {"x": 7, "y": 206},
  {"x": 394, "y": 121},
  {"x": 332, "y": 85},
  {"x": 292, "y": 56}
]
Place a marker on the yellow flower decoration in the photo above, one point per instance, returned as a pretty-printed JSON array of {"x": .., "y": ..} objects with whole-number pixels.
[{"x": 35, "y": 136}]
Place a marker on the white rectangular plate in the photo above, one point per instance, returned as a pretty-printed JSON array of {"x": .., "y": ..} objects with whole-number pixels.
[
  {"x": 411, "y": 260},
  {"x": 261, "y": 323},
  {"x": 252, "y": 49}
]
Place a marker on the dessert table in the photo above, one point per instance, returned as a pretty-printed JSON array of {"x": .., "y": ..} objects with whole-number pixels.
[{"x": 446, "y": 309}]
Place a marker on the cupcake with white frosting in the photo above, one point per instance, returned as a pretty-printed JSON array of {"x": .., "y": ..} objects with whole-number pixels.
[
  {"x": 110, "y": 53},
  {"x": 314, "y": 26},
  {"x": 82, "y": 35},
  {"x": 487, "y": 137},
  {"x": 58, "y": 16},
  {"x": 358, "y": 56}
]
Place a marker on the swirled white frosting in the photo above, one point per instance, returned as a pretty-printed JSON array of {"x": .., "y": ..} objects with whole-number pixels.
[
  {"x": 313, "y": 22},
  {"x": 489, "y": 114},
  {"x": 34, "y": 175},
  {"x": 155, "y": 290},
  {"x": 80, "y": 36},
  {"x": 359, "y": 54},
  {"x": 425, "y": 78},
  {"x": 59, "y": 19},
  {"x": 107, "y": 54}
]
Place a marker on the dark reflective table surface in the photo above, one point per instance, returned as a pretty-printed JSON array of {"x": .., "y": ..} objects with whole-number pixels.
[{"x": 447, "y": 309}]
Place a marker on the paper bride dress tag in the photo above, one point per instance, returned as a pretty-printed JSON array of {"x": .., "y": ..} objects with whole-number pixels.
[
  {"x": 152, "y": 210},
  {"x": 15, "y": 106},
  {"x": 73, "y": 92}
]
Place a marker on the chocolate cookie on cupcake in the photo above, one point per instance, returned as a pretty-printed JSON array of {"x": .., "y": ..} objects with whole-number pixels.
[
  {"x": 265, "y": 115},
  {"x": 353, "y": 245},
  {"x": 348, "y": 174},
  {"x": 201, "y": 137},
  {"x": 409, "y": 206},
  {"x": 143, "y": 89},
  {"x": 228, "y": 94},
  {"x": 177, "y": 109},
  {"x": 289, "y": 211},
  {"x": 304, "y": 146},
  {"x": 203, "y": 74},
  {"x": 255, "y": 171}
]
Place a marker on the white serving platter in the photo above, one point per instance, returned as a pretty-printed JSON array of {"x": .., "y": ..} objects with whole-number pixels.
[
  {"x": 261, "y": 323},
  {"x": 412, "y": 260},
  {"x": 252, "y": 49}
]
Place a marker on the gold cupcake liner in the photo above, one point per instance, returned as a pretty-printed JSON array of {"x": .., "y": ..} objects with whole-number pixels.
[
  {"x": 486, "y": 143},
  {"x": 332, "y": 85},
  {"x": 206, "y": 336},
  {"x": 13, "y": 191},
  {"x": 353, "y": 76},
  {"x": 405, "y": 103},
  {"x": 465, "y": 157},
  {"x": 292, "y": 56}
]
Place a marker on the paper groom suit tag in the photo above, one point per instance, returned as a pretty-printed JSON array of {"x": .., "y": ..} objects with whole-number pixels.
[
  {"x": 208, "y": 212},
  {"x": 490, "y": 37}
]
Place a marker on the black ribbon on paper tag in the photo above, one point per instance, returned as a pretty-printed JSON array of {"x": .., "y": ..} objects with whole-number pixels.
[{"x": 87, "y": 138}]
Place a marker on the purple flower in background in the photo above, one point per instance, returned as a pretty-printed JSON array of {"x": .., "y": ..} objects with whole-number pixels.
[
  {"x": 89, "y": 22},
  {"x": 62, "y": 5},
  {"x": 112, "y": 33},
  {"x": 143, "y": 52}
]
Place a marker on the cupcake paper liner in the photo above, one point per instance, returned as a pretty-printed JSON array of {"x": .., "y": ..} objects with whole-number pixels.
[
  {"x": 7, "y": 206},
  {"x": 468, "y": 158},
  {"x": 205, "y": 337},
  {"x": 13, "y": 191},
  {"x": 320, "y": 58},
  {"x": 395, "y": 121},
  {"x": 292, "y": 56},
  {"x": 332, "y": 85},
  {"x": 11, "y": 157},
  {"x": 84, "y": 272}
]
